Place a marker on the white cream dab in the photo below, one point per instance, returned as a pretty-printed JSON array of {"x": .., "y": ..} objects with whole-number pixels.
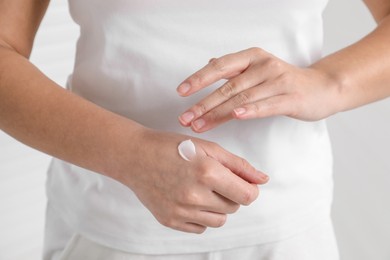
[{"x": 187, "y": 150}]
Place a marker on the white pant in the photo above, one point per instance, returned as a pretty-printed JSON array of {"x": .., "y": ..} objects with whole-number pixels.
[{"x": 317, "y": 243}]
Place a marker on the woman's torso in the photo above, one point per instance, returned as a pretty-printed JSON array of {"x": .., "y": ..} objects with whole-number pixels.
[{"x": 131, "y": 55}]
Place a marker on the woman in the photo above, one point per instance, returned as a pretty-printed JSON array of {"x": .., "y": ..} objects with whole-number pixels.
[{"x": 119, "y": 188}]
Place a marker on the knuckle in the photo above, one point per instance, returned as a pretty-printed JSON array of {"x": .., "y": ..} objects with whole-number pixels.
[
  {"x": 249, "y": 196},
  {"x": 214, "y": 145},
  {"x": 210, "y": 60},
  {"x": 257, "y": 50},
  {"x": 214, "y": 116},
  {"x": 256, "y": 108},
  {"x": 208, "y": 177},
  {"x": 227, "y": 90},
  {"x": 168, "y": 222},
  {"x": 273, "y": 105},
  {"x": 195, "y": 80},
  {"x": 190, "y": 197},
  {"x": 244, "y": 164},
  {"x": 218, "y": 64},
  {"x": 214, "y": 148},
  {"x": 202, "y": 167},
  {"x": 179, "y": 213},
  {"x": 242, "y": 99},
  {"x": 201, "y": 108},
  {"x": 273, "y": 63},
  {"x": 285, "y": 79}
]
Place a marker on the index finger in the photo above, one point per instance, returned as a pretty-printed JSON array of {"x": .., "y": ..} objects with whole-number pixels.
[{"x": 225, "y": 67}]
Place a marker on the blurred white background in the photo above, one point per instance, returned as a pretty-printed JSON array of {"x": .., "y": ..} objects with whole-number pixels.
[{"x": 361, "y": 141}]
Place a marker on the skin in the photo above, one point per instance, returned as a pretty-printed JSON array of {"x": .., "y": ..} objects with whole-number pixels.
[
  {"x": 187, "y": 196},
  {"x": 261, "y": 85}
]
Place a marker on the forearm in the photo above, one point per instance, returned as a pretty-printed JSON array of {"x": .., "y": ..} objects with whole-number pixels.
[
  {"x": 41, "y": 114},
  {"x": 362, "y": 70}
]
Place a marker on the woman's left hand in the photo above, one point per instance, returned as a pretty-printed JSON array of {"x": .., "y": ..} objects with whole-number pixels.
[{"x": 258, "y": 85}]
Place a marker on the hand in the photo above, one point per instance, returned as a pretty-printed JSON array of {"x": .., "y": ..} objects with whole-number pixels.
[
  {"x": 258, "y": 85},
  {"x": 190, "y": 195}
]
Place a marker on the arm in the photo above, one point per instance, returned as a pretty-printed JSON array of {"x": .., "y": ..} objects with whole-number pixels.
[
  {"x": 189, "y": 196},
  {"x": 362, "y": 70},
  {"x": 37, "y": 111},
  {"x": 261, "y": 85}
]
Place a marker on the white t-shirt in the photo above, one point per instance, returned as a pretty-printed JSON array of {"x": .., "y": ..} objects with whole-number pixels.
[{"x": 131, "y": 56}]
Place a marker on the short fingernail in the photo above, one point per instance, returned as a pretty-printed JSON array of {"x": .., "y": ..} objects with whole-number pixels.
[
  {"x": 264, "y": 176},
  {"x": 187, "y": 117},
  {"x": 184, "y": 88},
  {"x": 240, "y": 111},
  {"x": 198, "y": 124}
]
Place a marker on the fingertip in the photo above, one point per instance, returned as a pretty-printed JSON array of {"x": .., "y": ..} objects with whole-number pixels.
[
  {"x": 265, "y": 179},
  {"x": 257, "y": 177},
  {"x": 198, "y": 131},
  {"x": 241, "y": 113},
  {"x": 200, "y": 126},
  {"x": 262, "y": 178},
  {"x": 181, "y": 122},
  {"x": 183, "y": 89},
  {"x": 186, "y": 118}
]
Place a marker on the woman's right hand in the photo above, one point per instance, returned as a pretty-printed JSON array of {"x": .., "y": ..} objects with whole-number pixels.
[{"x": 190, "y": 195}]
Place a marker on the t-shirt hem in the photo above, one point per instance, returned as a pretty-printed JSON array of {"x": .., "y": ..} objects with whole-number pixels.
[{"x": 250, "y": 236}]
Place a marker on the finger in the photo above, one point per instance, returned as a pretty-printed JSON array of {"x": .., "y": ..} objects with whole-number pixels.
[
  {"x": 229, "y": 185},
  {"x": 191, "y": 228},
  {"x": 238, "y": 166},
  {"x": 205, "y": 199},
  {"x": 208, "y": 219},
  {"x": 219, "y": 204},
  {"x": 224, "y": 112},
  {"x": 273, "y": 106},
  {"x": 184, "y": 223},
  {"x": 231, "y": 88},
  {"x": 215, "y": 70},
  {"x": 236, "y": 189}
]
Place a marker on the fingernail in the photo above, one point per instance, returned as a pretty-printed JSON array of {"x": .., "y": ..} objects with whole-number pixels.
[
  {"x": 198, "y": 124},
  {"x": 184, "y": 88},
  {"x": 240, "y": 111},
  {"x": 187, "y": 117},
  {"x": 264, "y": 176}
]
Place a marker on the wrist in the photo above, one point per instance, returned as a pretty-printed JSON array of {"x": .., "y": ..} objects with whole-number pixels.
[
  {"x": 336, "y": 84},
  {"x": 122, "y": 155}
]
